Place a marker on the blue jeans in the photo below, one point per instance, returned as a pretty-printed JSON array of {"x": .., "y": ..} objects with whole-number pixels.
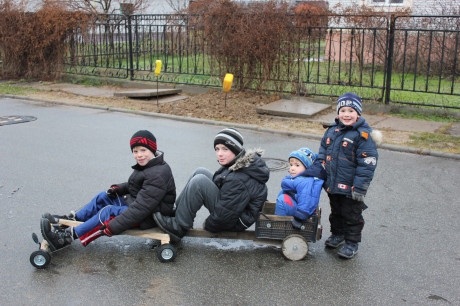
[{"x": 100, "y": 209}]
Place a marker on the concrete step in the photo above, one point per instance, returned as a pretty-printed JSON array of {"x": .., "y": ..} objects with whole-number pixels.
[
  {"x": 296, "y": 108},
  {"x": 147, "y": 93}
]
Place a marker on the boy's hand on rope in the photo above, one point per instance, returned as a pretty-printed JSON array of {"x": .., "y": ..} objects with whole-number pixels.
[{"x": 113, "y": 191}]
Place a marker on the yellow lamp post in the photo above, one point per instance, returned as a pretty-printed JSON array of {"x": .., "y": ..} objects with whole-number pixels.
[
  {"x": 227, "y": 85},
  {"x": 157, "y": 73}
]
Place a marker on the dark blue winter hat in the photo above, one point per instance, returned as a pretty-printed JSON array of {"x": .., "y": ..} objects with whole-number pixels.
[
  {"x": 305, "y": 155},
  {"x": 350, "y": 99}
]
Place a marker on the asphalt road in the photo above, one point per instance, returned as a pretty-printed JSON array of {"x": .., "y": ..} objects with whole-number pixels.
[{"x": 409, "y": 255}]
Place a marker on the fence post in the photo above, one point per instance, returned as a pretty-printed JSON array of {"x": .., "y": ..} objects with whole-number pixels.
[
  {"x": 391, "y": 45},
  {"x": 130, "y": 49}
]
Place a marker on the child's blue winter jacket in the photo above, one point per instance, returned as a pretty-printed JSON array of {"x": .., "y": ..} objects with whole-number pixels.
[
  {"x": 350, "y": 157},
  {"x": 299, "y": 196}
]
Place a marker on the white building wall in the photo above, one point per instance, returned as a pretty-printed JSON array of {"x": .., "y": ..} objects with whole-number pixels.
[{"x": 418, "y": 7}]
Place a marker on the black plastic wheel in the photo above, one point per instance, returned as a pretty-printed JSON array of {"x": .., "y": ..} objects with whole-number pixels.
[
  {"x": 166, "y": 252},
  {"x": 40, "y": 259}
]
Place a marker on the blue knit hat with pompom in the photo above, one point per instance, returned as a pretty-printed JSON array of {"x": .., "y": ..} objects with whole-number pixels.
[{"x": 305, "y": 155}]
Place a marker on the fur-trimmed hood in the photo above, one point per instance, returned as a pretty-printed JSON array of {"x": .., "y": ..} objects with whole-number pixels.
[
  {"x": 251, "y": 163},
  {"x": 246, "y": 158}
]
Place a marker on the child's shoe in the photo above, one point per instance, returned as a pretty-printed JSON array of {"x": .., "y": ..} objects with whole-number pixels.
[
  {"x": 334, "y": 241},
  {"x": 54, "y": 219},
  {"x": 348, "y": 250},
  {"x": 169, "y": 225},
  {"x": 56, "y": 239}
]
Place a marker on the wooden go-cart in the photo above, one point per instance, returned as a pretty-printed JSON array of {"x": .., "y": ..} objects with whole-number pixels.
[{"x": 270, "y": 229}]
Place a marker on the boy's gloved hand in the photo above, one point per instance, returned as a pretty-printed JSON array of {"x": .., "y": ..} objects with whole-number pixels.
[
  {"x": 106, "y": 231},
  {"x": 299, "y": 217},
  {"x": 357, "y": 196},
  {"x": 113, "y": 191},
  {"x": 296, "y": 223}
]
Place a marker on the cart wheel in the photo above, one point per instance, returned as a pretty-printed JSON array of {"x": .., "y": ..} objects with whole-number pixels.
[
  {"x": 40, "y": 259},
  {"x": 166, "y": 252},
  {"x": 294, "y": 247}
]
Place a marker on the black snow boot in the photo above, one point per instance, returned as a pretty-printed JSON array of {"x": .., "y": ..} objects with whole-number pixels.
[
  {"x": 169, "y": 225},
  {"x": 57, "y": 238},
  {"x": 334, "y": 241},
  {"x": 348, "y": 250}
]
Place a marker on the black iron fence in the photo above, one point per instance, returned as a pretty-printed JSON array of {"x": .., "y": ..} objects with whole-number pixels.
[{"x": 406, "y": 60}]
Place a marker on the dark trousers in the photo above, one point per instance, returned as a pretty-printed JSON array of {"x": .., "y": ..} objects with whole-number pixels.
[{"x": 346, "y": 217}]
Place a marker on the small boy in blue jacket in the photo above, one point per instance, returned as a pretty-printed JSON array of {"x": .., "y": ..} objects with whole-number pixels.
[
  {"x": 301, "y": 189},
  {"x": 349, "y": 153}
]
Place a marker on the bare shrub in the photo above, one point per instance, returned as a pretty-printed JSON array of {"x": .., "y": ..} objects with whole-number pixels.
[
  {"x": 33, "y": 45},
  {"x": 245, "y": 40}
]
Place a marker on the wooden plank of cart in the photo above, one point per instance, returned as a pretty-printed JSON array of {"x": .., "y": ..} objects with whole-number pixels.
[{"x": 270, "y": 229}]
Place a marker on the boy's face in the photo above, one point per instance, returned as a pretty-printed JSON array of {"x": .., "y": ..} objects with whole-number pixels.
[
  {"x": 142, "y": 155},
  {"x": 348, "y": 115},
  {"x": 223, "y": 154},
  {"x": 295, "y": 167}
]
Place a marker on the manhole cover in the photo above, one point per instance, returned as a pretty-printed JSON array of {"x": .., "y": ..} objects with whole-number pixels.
[
  {"x": 276, "y": 164},
  {"x": 4, "y": 120}
]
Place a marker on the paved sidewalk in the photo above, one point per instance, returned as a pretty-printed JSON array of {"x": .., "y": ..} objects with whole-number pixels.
[
  {"x": 297, "y": 107},
  {"x": 320, "y": 112}
]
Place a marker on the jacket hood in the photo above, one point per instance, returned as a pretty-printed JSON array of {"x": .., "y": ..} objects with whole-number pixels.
[{"x": 251, "y": 163}]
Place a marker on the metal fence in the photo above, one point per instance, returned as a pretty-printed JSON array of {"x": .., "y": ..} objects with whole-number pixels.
[{"x": 406, "y": 60}]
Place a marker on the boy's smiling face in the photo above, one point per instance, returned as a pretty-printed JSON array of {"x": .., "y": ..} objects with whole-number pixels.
[
  {"x": 142, "y": 155},
  {"x": 348, "y": 115}
]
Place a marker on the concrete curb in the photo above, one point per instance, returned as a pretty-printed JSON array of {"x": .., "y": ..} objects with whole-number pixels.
[{"x": 238, "y": 125}]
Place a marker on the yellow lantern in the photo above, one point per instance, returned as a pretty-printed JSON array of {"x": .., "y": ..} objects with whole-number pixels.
[
  {"x": 228, "y": 82},
  {"x": 158, "y": 67}
]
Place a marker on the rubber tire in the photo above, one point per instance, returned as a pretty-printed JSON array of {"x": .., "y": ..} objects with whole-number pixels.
[
  {"x": 166, "y": 252},
  {"x": 294, "y": 247},
  {"x": 40, "y": 259}
]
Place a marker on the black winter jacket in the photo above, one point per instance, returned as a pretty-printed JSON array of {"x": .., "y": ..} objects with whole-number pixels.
[
  {"x": 242, "y": 193},
  {"x": 149, "y": 189},
  {"x": 350, "y": 157}
]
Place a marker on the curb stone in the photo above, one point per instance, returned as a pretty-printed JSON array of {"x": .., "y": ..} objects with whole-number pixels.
[{"x": 238, "y": 125}]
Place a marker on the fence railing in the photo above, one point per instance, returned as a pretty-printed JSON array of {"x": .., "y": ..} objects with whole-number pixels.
[{"x": 406, "y": 60}]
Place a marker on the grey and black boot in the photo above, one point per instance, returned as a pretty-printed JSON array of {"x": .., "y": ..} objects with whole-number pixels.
[
  {"x": 56, "y": 238},
  {"x": 335, "y": 241},
  {"x": 54, "y": 219},
  {"x": 348, "y": 250},
  {"x": 169, "y": 225}
]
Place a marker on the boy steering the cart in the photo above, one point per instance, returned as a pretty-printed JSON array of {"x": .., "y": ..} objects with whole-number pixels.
[{"x": 149, "y": 189}]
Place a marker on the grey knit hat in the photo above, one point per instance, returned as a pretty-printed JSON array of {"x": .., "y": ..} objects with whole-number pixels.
[{"x": 230, "y": 138}]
